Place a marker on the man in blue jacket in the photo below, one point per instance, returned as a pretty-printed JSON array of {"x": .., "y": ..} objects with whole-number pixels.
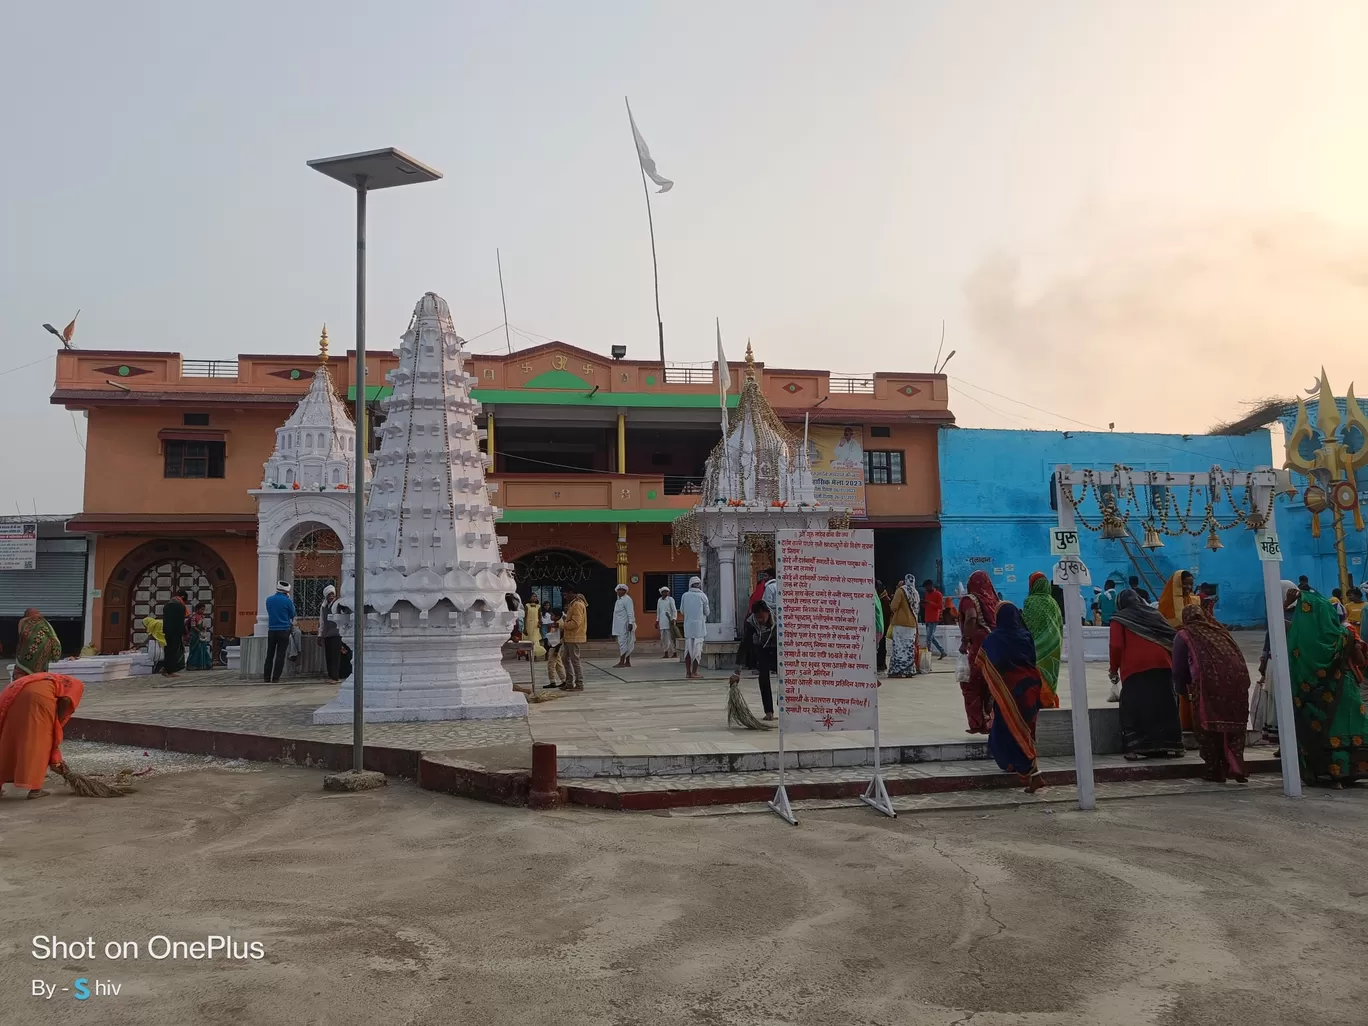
[{"x": 280, "y": 617}]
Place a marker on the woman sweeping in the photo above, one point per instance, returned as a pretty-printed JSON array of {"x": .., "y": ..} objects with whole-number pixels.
[
  {"x": 902, "y": 629},
  {"x": 1142, "y": 660},
  {"x": 1327, "y": 666},
  {"x": 978, "y": 616},
  {"x": 1007, "y": 660},
  {"x": 1047, "y": 631},
  {"x": 1210, "y": 669},
  {"x": 32, "y": 712}
]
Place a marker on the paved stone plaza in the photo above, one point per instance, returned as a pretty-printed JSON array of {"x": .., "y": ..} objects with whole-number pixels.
[{"x": 646, "y": 719}]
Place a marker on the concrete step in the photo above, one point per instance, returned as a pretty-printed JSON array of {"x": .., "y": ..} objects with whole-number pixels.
[{"x": 648, "y": 793}]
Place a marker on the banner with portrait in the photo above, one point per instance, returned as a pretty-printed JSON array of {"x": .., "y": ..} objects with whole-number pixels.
[{"x": 838, "y": 470}]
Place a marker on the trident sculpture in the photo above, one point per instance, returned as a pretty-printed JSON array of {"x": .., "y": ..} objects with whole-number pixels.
[{"x": 1332, "y": 465}]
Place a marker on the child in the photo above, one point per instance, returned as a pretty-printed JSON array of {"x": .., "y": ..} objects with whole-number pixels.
[{"x": 554, "y": 666}]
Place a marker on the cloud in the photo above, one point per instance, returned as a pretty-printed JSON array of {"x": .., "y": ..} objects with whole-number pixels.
[{"x": 1172, "y": 323}]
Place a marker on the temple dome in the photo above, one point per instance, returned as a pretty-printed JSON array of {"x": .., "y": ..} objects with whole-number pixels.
[
  {"x": 759, "y": 460},
  {"x": 316, "y": 446}
]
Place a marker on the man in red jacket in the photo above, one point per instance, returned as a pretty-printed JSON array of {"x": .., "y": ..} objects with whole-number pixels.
[{"x": 933, "y": 602}]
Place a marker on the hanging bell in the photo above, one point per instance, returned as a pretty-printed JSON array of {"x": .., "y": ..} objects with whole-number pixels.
[
  {"x": 1113, "y": 527},
  {"x": 1213, "y": 541},
  {"x": 1152, "y": 540}
]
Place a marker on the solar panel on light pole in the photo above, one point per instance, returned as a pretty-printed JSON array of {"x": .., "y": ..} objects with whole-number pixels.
[{"x": 365, "y": 172}]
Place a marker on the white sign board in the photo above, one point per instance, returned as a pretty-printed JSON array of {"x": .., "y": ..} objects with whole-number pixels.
[
  {"x": 827, "y": 645},
  {"x": 18, "y": 546},
  {"x": 1072, "y": 572},
  {"x": 1267, "y": 544},
  {"x": 1064, "y": 542}
]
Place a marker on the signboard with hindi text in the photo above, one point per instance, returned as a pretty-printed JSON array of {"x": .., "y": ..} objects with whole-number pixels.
[
  {"x": 18, "y": 546},
  {"x": 838, "y": 466},
  {"x": 827, "y": 642}
]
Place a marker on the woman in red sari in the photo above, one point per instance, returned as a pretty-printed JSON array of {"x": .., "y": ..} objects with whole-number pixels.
[
  {"x": 978, "y": 616},
  {"x": 1210, "y": 671},
  {"x": 32, "y": 712}
]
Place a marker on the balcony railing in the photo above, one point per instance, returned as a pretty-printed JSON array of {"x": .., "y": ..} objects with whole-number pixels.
[
  {"x": 689, "y": 374},
  {"x": 851, "y": 384},
  {"x": 209, "y": 368}
]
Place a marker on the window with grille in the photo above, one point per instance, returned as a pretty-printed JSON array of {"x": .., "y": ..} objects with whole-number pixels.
[
  {"x": 884, "y": 467},
  {"x": 193, "y": 459}
]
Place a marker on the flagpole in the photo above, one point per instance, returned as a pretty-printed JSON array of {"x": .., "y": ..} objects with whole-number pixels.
[{"x": 655, "y": 265}]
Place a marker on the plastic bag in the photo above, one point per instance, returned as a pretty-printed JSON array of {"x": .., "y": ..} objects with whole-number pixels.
[
  {"x": 962, "y": 668},
  {"x": 925, "y": 664}
]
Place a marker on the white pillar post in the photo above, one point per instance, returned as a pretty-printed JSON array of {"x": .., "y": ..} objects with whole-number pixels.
[
  {"x": 268, "y": 567},
  {"x": 89, "y": 612},
  {"x": 1078, "y": 670},
  {"x": 726, "y": 563},
  {"x": 1277, "y": 664}
]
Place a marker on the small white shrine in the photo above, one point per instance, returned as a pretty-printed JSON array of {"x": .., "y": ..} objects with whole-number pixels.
[
  {"x": 758, "y": 481},
  {"x": 435, "y": 584},
  {"x": 309, "y": 483}
]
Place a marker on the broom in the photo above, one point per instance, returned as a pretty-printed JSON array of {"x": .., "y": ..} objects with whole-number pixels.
[
  {"x": 738, "y": 711},
  {"x": 85, "y": 785}
]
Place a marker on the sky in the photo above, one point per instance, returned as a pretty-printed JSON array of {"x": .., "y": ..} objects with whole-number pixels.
[{"x": 1139, "y": 214}]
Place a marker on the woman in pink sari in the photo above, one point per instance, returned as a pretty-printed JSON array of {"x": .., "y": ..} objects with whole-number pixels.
[{"x": 978, "y": 616}]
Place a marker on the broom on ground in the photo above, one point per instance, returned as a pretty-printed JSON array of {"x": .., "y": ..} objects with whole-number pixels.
[
  {"x": 85, "y": 785},
  {"x": 738, "y": 711}
]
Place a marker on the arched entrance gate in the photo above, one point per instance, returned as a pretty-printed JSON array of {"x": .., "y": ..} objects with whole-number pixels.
[
  {"x": 546, "y": 572},
  {"x": 146, "y": 578}
]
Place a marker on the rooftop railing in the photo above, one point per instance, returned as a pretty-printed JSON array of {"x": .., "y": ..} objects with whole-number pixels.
[{"x": 209, "y": 368}]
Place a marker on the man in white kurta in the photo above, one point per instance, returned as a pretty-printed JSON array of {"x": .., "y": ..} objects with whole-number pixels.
[
  {"x": 694, "y": 606},
  {"x": 666, "y": 614},
  {"x": 624, "y": 626}
]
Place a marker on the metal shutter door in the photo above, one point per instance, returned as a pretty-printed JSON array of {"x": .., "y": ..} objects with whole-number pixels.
[{"x": 56, "y": 585}]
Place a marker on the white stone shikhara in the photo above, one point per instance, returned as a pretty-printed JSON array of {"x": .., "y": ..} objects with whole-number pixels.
[
  {"x": 308, "y": 482},
  {"x": 435, "y": 584}
]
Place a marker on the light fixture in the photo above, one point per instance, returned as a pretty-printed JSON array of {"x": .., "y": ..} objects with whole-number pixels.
[
  {"x": 1152, "y": 540},
  {"x": 1213, "y": 541},
  {"x": 619, "y": 352}
]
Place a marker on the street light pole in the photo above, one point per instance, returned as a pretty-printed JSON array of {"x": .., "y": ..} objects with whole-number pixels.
[
  {"x": 359, "y": 538},
  {"x": 365, "y": 172}
]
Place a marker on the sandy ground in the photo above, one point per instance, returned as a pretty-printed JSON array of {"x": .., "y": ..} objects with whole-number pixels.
[{"x": 403, "y": 907}]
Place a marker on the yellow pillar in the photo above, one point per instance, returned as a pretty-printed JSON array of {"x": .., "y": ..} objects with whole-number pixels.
[
  {"x": 622, "y": 445},
  {"x": 622, "y": 553},
  {"x": 489, "y": 439}
]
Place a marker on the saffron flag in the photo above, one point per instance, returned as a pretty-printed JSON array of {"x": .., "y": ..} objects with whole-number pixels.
[
  {"x": 70, "y": 329},
  {"x": 648, "y": 164}
]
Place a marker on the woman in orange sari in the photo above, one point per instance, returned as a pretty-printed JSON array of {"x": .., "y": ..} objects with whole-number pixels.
[
  {"x": 32, "y": 712},
  {"x": 1179, "y": 595}
]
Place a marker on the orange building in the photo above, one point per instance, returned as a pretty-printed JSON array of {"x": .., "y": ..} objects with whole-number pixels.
[{"x": 593, "y": 457}]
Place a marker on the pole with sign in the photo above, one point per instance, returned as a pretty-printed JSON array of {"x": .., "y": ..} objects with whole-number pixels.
[
  {"x": 827, "y": 645},
  {"x": 1270, "y": 559},
  {"x": 1071, "y": 574}
]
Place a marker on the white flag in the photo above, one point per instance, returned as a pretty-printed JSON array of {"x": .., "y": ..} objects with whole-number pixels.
[
  {"x": 723, "y": 371},
  {"x": 648, "y": 163}
]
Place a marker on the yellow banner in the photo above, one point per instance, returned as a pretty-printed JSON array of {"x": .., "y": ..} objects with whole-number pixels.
[{"x": 837, "y": 455}]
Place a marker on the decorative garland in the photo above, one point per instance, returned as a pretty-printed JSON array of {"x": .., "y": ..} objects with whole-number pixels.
[{"x": 1122, "y": 502}]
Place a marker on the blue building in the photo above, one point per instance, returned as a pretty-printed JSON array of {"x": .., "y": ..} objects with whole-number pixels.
[{"x": 998, "y": 506}]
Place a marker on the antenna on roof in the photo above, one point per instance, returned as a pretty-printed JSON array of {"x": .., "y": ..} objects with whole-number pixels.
[
  {"x": 936, "y": 362},
  {"x": 504, "y": 299}
]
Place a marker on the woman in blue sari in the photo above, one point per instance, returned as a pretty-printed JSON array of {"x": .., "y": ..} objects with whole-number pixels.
[{"x": 1008, "y": 662}]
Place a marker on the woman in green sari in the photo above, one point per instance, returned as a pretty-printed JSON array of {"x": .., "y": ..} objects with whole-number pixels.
[
  {"x": 1327, "y": 664},
  {"x": 1043, "y": 620}
]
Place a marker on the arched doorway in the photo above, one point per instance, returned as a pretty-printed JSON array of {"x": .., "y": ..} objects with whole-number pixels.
[
  {"x": 546, "y": 572},
  {"x": 146, "y": 578},
  {"x": 310, "y": 559}
]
